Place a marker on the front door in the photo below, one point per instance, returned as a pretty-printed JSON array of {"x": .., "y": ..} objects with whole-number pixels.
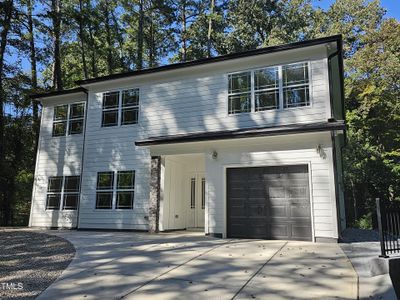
[{"x": 196, "y": 196}]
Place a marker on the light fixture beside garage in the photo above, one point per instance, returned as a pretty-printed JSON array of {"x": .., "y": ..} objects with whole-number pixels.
[
  {"x": 214, "y": 155},
  {"x": 321, "y": 151}
]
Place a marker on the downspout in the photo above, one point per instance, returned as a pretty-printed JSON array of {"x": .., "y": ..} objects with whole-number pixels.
[
  {"x": 83, "y": 158},
  {"x": 339, "y": 54}
]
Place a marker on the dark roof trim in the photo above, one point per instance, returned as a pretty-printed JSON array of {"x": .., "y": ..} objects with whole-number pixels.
[
  {"x": 58, "y": 93},
  {"x": 203, "y": 61},
  {"x": 243, "y": 133}
]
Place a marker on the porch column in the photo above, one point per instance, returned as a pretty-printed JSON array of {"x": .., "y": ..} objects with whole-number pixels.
[{"x": 154, "y": 203}]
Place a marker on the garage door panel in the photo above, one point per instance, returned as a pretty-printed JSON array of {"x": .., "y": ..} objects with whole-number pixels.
[{"x": 274, "y": 203}]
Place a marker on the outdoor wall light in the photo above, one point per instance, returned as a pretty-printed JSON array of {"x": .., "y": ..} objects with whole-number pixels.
[
  {"x": 214, "y": 155},
  {"x": 321, "y": 151}
]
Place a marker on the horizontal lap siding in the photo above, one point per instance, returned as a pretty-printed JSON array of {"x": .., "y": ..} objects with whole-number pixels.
[
  {"x": 113, "y": 149},
  {"x": 58, "y": 156},
  {"x": 322, "y": 194},
  {"x": 199, "y": 105}
]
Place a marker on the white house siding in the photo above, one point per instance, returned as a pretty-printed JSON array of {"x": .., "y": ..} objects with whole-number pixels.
[
  {"x": 266, "y": 151},
  {"x": 113, "y": 149},
  {"x": 57, "y": 156},
  {"x": 274, "y": 151},
  {"x": 195, "y": 99}
]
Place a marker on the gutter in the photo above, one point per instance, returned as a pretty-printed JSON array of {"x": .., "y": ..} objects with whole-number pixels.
[{"x": 83, "y": 157}]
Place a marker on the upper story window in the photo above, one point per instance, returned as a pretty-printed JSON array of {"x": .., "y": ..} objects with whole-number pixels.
[
  {"x": 63, "y": 192},
  {"x": 68, "y": 119},
  {"x": 120, "y": 108},
  {"x": 122, "y": 190},
  {"x": 269, "y": 88}
]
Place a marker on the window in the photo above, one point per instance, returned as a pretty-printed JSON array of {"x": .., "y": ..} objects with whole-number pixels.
[
  {"x": 203, "y": 193},
  {"x": 296, "y": 85},
  {"x": 120, "y": 108},
  {"x": 239, "y": 93},
  {"x": 66, "y": 188},
  {"x": 193, "y": 193},
  {"x": 266, "y": 89},
  {"x": 270, "y": 88},
  {"x": 104, "y": 195},
  {"x": 68, "y": 119},
  {"x": 123, "y": 188}
]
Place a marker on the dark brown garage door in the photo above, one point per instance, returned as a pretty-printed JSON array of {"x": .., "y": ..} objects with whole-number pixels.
[{"x": 269, "y": 203}]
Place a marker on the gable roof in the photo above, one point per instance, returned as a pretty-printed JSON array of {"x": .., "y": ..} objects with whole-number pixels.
[
  {"x": 272, "y": 49},
  {"x": 203, "y": 61}
]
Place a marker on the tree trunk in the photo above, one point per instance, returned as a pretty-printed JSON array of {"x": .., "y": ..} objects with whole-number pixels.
[
  {"x": 106, "y": 13},
  {"x": 210, "y": 28},
  {"x": 92, "y": 40},
  {"x": 183, "y": 33},
  {"x": 82, "y": 39},
  {"x": 120, "y": 41},
  {"x": 152, "y": 50},
  {"x": 56, "y": 18},
  {"x": 32, "y": 57},
  {"x": 5, "y": 203},
  {"x": 139, "y": 54}
]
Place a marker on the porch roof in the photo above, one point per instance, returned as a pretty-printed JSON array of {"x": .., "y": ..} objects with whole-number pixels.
[{"x": 244, "y": 133}]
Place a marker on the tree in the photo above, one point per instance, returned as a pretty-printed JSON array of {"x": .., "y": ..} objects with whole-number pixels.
[{"x": 6, "y": 13}]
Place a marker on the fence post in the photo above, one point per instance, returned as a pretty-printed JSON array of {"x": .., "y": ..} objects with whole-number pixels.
[{"x": 380, "y": 227}]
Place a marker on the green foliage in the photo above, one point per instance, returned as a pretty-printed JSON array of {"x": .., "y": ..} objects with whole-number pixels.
[{"x": 365, "y": 222}]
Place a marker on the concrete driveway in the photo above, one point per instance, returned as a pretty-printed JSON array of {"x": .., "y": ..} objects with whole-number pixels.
[{"x": 115, "y": 265}]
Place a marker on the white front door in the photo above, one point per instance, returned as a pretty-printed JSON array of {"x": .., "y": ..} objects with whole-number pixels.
[{"x": 196, "y": 200}]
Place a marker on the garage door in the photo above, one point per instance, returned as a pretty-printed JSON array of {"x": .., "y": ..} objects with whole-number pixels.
[{"x": 269, "y": 203}]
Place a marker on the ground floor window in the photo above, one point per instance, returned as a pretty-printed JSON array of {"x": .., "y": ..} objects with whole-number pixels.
[
  {"x": 115, "y": 190},
  {"x": 63, "y": 192}
]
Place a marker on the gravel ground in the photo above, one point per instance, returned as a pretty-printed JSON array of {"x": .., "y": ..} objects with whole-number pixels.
[{"x": 31, "y": 260}]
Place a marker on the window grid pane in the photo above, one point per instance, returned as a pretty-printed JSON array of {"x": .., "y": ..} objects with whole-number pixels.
[
  {"x": 53, "y": 201},
  {"x": 109, "y": 118},
  {"x": 267, "y": 100},
  {"x": 104, "y": 200},
  {"x": 72, "y": 184},
  {"x": 70, "y": 201},
  {"x": 130, "y": 116},
  {"x": 105, "y": 180},
  {"x": 75, "y": 126},
  {"x": 296, "y": 96},
  {"x": 110, "y": 100},
  {"x": 193, "y": 193},
  {"x": 130, "y": 98},
  {"x": 125, "y": 200},
  {"x": 55, "y": 184},
  {"x": 203, "y": 193},
  {"x": 59, "y": 128},
  {"x": 266, "y": 78},
  {"x": 240, "y": 82},
  {"x": 60, "y": 113},
  {"x": 77, "y": 111},
  {"x": 240, "y": 103},
  {"x": 126, "y": 180}
]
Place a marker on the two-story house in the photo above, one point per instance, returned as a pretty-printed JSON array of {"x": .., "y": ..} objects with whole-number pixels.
[{"x": 244, "y": 145}]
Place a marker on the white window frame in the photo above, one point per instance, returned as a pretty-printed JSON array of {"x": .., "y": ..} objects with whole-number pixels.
[
  {"x": 120, "y": 108},
  {"x": 114, "y": 190},
  {"x": 68, "y": 120},
  {"x": 280, "y": 89},
  {"x": 63, "y": 193}
]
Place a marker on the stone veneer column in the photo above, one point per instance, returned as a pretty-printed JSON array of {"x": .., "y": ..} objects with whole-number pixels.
[{"x": 154, "y": 201}]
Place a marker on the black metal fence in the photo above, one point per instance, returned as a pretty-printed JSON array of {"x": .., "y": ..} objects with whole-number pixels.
[{"x": 388, "y": 213}]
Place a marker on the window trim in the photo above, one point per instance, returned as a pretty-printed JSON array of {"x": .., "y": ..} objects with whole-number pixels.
[
  {"x": 120, "y": 108},
  {"x": 63, "y": 193},
  {"x": 114, "y": 191},
  {"x": 68, "y": 119},
  {"x": 280, "y": 85}
]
